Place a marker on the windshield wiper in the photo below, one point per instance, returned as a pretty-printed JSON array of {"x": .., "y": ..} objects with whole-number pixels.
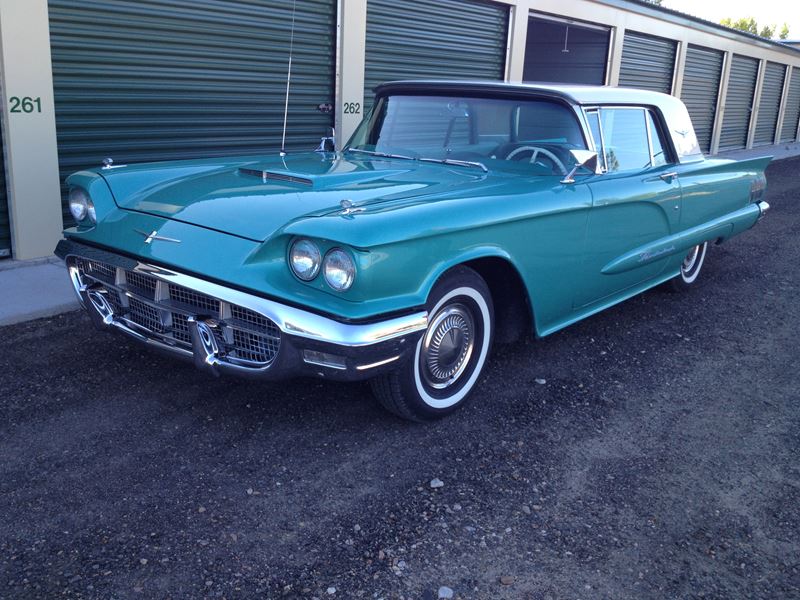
[
  {"x": 443, "y": 161},
  {"x": 459, "y": 163},
  {"x": 381, "y": 154}
]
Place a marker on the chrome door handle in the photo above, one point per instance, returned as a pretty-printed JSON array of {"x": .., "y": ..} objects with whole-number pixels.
[{"x": 669, "y": 177}]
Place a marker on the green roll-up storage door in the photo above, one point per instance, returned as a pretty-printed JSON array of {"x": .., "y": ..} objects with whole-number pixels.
[
  {"x": 446, "y": 39},
  {"x": 770, "y": 104},
  {"x": 5, "y": 225},
  {"x": 791, "y": 116},
  {"x": 738, "y": 102},
  {"x": 648, "y": 62},
  {"x": 558, "y": 51},
  {"x": 701, "y": 77},
  {"x": 148, "y": 80}
]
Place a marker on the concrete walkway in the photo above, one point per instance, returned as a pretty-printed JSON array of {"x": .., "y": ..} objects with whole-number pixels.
[
  {"x": 778, "y": 152},
  {"x": 41, "y": 288},
  {"x": 34, "y": 289}
]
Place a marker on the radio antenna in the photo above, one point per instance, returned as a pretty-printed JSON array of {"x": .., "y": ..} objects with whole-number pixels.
[{"x": 288, "y": 81}]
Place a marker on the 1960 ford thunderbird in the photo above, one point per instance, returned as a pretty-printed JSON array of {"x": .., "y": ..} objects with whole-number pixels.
[{"x": 458, "y": 214}]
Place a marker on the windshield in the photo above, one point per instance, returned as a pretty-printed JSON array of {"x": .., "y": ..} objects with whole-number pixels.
[{"x": 534, "y": 136}]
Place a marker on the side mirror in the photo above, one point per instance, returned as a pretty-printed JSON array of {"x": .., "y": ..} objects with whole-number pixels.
[
  {"x": 582, "y": 158},
  {"x": 327, "y": 144}
]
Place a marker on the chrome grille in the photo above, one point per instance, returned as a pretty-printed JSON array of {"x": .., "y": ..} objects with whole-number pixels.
[
  {"x": 98, "y": 270},
  {"x": 254, "y": 347},
  {"x": 246, "y": 337},
  {"x": 142, "y": 283},
  {"x": 180, "y": 328},
  {"x": 145, "y": 315},
  {"x": 113, "y": 299},
  {"x": 194, "y": 299},
  {"x": 253, "y": 319}
]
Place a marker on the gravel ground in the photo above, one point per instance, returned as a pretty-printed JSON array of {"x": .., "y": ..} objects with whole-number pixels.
[{"x": 648, "y": 452}]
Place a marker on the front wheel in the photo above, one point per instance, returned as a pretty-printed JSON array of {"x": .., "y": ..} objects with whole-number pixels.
[
  {"x": 450, "y": 356},
  {"x": 690, "y": 268}
]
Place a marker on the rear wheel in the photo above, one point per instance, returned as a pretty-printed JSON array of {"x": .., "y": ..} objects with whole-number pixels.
[
  {"x": 450, "y": 356},
  {"x": 690, "y": 268}
]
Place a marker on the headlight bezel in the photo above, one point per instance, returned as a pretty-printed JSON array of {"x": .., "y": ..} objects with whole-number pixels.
[
  {"x": 316, "y": 259},
  {"x": 346, "y": 265}
]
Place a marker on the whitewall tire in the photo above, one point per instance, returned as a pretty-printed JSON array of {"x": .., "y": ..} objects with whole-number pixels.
[
  {"x": 690, "y": 267},
  {"x": 451, "y": 355}
]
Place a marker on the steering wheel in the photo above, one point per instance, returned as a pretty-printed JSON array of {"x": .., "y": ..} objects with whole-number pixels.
[{"x": 536, "y": 151}]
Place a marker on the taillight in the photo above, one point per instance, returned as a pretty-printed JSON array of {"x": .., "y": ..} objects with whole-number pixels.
[{"x": 757, "y": 187}]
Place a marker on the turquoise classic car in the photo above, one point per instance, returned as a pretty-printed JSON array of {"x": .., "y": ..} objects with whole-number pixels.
[{"x": 459, "y": 214}]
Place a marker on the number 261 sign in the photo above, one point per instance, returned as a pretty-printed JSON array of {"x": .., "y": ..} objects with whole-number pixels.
[{"x": 25, "y": 104}]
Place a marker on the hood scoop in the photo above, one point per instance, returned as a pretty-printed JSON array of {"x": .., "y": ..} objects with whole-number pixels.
[{"x": 266, "y": 176}]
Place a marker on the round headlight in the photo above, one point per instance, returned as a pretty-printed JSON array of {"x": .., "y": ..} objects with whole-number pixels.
[
  {"x": 305, "y": 259},
  {"x": 340, "y": 271},
  {"x": 78, "y": 203}
]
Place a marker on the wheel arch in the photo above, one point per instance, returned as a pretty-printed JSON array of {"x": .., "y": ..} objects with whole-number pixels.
[{"x": 513, "y": 308}]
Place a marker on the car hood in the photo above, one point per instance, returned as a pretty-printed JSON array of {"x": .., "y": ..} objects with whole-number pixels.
[{"x": 254, "y": 199}]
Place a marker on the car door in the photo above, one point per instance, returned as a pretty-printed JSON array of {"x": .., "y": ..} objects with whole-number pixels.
[{"x": 636, "y": 202}]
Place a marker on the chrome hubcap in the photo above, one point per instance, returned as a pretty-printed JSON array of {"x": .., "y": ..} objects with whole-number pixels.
[
  {"x": 447, "y": 346},
  {"x": 690, "y": 260}
]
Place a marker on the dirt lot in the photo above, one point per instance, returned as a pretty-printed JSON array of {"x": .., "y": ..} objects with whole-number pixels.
[{"x": 660, "y": 459}]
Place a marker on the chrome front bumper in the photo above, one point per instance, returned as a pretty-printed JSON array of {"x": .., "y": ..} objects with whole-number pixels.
[{"x": 226, "y": 330}]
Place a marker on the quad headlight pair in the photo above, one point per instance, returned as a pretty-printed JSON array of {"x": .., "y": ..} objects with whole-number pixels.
[
  {"x": 81, "y": 206},
  {"x": 337, "y": 267}
]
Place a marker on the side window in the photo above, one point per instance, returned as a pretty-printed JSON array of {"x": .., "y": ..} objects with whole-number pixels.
[
  {"x": 659, "y": 148},
  {"x": 625, "y": 138}
]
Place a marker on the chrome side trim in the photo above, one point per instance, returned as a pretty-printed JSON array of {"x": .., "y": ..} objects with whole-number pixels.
[
  {"x": 680, "y": 243},
  {"x": 380, "y": 363},
  {"x": 290, "y": 320}
]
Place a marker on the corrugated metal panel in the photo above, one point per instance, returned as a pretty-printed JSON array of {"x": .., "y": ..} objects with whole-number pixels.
[
  {"x": 567, "y": 53},
  {"x": 791, "y": 117},
  {"x": 770, "y": 104},
  {"x": 701, "y": 76},
  {"x": 446, "y": 39},
  {"x": 738, "y": 102},
  {"x": 647, "y": 63},
  {"x": 5, "y": 226},
  {"x": 144, "y": 80}
]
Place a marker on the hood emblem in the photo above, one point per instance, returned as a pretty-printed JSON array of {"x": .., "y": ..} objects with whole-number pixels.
[
  {"x": 149, "y": 237},
  {"x": 348, "y": 208}
]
